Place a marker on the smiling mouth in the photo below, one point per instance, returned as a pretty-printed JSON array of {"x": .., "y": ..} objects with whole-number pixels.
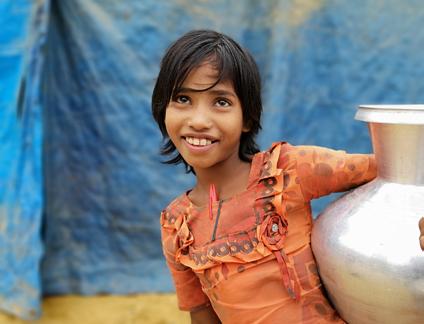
[{"x": 199, "y": 141}]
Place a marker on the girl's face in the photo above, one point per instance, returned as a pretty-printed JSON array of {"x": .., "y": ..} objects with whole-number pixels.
[{"x": 205, "y": 126}]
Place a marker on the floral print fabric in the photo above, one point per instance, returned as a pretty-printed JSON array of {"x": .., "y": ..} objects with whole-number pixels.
[{"x": 253, "y": 261}]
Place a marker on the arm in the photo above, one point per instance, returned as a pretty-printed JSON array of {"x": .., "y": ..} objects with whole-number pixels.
[
  {"x": 322, "y": 171},
  {"x": 421, "y": 225},
  {"x": 187, "y": 285},
  {"x": 205, "y": 315}
]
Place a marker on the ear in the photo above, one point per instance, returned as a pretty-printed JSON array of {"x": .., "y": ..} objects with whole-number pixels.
[{"x": 246, "y": 128}]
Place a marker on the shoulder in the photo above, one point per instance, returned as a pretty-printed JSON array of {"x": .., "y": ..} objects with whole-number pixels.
[
  {"x": 282, "y": 154},
  {"x": 287, "y": 148},
  {"x": 284, "y": 148},
  {"x": 269, "y": 163},
  {"x": 287, "y": 156},
  {"x": 174, "y": 210},
  {"x": 177, "y": 202},
  {"x": 307, "y": 153}
]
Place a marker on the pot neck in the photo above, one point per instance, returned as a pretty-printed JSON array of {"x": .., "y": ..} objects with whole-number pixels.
[{"x": 399, "y": 150}]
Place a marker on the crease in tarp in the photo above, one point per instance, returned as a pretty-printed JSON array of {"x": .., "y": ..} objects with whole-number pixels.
[{"x": 21, "y": 189}]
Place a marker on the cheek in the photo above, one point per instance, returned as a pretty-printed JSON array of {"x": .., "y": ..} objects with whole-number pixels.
[
  {"x": 169, "y": 122},
  {"x": 234, "y": 129}
]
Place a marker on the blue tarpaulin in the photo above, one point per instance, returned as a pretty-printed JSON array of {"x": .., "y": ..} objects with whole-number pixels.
[
  {"x": 81, "y": 183},
  {"x": 23, "y": 28}
]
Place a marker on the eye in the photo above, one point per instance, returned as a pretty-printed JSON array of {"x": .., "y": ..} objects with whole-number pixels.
[
  {"x": 223, "y": 102},
  {"x": 182, "y": 99}
]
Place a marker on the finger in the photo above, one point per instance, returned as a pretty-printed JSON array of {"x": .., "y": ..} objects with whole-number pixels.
[
  {"x": 422, "y": 242},
  {"x": 421, "y": 224}
]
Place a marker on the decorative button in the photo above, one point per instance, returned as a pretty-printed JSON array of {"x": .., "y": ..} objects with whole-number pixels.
[{"x": 274, "y": 228}]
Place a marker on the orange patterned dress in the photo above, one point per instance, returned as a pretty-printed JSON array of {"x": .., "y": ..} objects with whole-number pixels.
[{"x": 253, "y": 261}]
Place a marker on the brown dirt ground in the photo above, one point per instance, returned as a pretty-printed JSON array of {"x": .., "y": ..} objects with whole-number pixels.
[{"x": 132, "y": 309}]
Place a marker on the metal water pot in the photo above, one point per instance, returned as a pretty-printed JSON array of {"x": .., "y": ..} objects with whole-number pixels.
[{"x": 366, "y": 242}]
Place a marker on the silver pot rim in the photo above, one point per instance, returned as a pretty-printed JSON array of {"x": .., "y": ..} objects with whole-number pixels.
[{"x": 411, "y": 114}]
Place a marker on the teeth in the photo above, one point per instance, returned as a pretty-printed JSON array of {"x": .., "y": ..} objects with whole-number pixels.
[{"x": 198, "y": 141}]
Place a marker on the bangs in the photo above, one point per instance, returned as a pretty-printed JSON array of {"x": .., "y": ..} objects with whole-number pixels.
[{"x": 220, "y": 62}]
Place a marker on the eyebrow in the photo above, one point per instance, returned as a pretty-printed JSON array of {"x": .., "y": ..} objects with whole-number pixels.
[{"x": 216, "y": 92}]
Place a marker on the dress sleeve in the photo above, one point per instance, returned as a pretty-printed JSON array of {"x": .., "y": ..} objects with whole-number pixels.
[
  {"x": 187, "y": 285},
  {"x": 322, "y": 171}
]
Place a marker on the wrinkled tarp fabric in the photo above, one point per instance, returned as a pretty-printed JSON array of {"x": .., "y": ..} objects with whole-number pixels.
[
  {"x": 22, "y": 34},
  {"x": 103, "y": 184}
]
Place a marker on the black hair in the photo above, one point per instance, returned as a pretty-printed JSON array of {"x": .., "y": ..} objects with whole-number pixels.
[{"x": 232, "y": 63}]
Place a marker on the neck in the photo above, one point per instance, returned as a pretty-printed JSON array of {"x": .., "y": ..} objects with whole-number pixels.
[
  {"x": 228, "y": 179},
  {"x": 399, "y": 152}
]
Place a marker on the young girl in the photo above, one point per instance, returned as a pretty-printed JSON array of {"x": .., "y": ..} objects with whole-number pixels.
[{"x": 238, "y": 243}]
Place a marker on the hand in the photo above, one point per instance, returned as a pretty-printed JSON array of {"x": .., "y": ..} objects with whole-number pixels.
[
  {"x": 421, "y": 225},
  {"x": 204, "y": 315}
]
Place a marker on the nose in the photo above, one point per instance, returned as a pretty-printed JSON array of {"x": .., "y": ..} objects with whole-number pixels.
[{"x": 200, "y": 118}]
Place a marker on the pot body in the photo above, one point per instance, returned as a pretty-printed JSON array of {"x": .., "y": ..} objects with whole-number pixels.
[{"x": 366, "y": 242}]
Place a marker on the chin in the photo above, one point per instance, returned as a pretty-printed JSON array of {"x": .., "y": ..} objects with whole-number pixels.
[{"x": 200, "y": 164}]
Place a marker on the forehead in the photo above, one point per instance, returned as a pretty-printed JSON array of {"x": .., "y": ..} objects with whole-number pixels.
[{"x": 204, "y": 76}]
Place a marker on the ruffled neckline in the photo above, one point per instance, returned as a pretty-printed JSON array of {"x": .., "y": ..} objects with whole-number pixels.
[
  {"x": 251, "y": 244},
  {"x": 254, "y": 173}
]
